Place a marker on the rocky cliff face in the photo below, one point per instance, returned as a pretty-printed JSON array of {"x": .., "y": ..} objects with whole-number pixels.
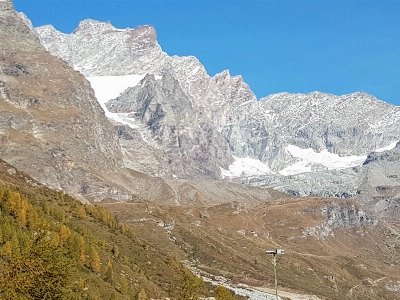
[
  {"x": 380, "y": 186},
  {"x": 354, "y": 124},
  {"x": 339, "y": 215},
  {"x": 192, "y": 147},
  {"x": 51, "y": 125}
]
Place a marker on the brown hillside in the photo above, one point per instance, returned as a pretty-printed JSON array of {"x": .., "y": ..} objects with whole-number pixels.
[{"x": 333, "y": 249}]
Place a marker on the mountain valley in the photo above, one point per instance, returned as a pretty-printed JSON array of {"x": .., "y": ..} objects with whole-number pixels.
[{"x": 175, "y": 170}]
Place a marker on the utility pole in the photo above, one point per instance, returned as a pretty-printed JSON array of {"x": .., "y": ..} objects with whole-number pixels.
[{"x": 274, "y": 253}]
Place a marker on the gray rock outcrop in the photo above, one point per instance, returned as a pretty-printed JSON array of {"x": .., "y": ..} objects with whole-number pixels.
[
  {"x": 339, "y": 216},
  {"x": 191, "y": 146}
]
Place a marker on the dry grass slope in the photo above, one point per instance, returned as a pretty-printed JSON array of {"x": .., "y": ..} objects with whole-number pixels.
[{"x": 351, "y": 262}]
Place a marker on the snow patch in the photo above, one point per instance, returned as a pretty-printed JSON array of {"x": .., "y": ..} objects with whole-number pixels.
[
  {"x": 195, "y": 70},
  {"x": 245, "y": 166},
  {"x": 308, "y": 159},
  {"x": 388, "y": 147},
  {"x": 246, "y": 102},
  {"x": 123, "y": 119},
  {"x": 110, "y": 87}
]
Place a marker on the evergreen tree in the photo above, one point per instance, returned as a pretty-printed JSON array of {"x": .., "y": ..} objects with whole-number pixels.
[
  {"x": 222, "y": 293},
  {"x": 33, "y": 219},
  {"x": 81, "y": 212},
  {"x": 94, "y": 260},
  {"x": 109, "y": 275},
  {"x": 142, "y": 295},
  {"x": 64, "y": 234},
  {"x": 114, "y": 296},
  {"x": 82, "y": 254},
  {"x": 123, "y": 285},
  {"x": 7, "y": 249},
  {"x": 15, "y": 247},
  {"x": 191, "y": 286}
]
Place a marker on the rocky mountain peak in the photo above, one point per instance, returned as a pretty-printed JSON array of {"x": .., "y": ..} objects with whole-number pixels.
[
  {"x": 141, "y": 37},
  {"x": 94, "y": 47},
  {"x": 48, "y": 30},
  {"x": 93, "y": 25},
  {"x": 26, "y": 21},
  {"x": 224, "y": 74},
  {"x": 145, "y": 35},
  {"x": 192, "y": 147},
  {"x": 12, "y": 21}
]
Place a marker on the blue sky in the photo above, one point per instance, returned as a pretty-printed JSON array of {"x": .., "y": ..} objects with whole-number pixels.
[{"x": 301, "y": 46}]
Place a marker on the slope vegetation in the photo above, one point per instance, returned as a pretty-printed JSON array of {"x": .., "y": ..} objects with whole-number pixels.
[{"x": 54, "y": 247}]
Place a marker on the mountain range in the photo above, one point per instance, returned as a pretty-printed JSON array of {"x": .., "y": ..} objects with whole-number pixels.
[{"x": 194, "y": 125}]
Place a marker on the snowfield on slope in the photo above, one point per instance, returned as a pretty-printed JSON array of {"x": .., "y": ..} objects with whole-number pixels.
[
  {"x": 110, "y": 87},
  {"x": 387, "y": 148},
  {"x": 307, "y": 160},
  {"x": 245, "y": 166}
]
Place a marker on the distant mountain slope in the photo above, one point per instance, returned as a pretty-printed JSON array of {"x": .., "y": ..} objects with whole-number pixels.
[
  {"x": 348, "y": 125},
  {"x": 354, "y": 124},
  {"x": 299, "y": 144},
  {"x": 375, "y": 183}
]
